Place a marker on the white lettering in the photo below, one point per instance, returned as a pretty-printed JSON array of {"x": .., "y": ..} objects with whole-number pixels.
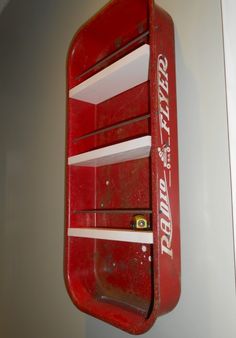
[
  {"x": 164, "y": 125},
  {"x": 164, "y": 85},
  {"x": 163, "y": 93},
  {"x": 163, "y": 65},
  {"x": 165, "y": 244},
  {"x": 165, "y": 220},
  {"x": 166, "y": 226},
  {"x": 162, "y": 97},
  {"x": 165, "y": 111}
]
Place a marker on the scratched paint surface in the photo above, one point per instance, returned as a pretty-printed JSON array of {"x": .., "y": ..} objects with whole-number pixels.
[{"x": 125, "y": 284}]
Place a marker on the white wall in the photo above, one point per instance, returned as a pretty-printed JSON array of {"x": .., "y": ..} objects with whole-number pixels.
[
  {"x": 34, "y": 37},
  {"x": 229, "y": 27}
]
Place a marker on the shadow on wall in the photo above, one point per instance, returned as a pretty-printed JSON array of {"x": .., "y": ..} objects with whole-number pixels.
[{"x": 3, "y": 4}]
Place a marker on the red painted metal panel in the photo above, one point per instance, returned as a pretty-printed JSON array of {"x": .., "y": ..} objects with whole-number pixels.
[{"x": 125, "y": 284}]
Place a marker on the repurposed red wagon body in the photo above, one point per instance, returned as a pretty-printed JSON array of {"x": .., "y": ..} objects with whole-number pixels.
[{"x": 122, "y": 166}]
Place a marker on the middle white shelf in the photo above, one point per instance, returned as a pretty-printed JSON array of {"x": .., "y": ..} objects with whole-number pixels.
[{"x": 125, "y": 151}]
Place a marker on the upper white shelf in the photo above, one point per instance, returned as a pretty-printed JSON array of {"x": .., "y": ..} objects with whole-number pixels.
[
  {"x": 126, "y": 73},
  {"x": 121, "y": 152}
]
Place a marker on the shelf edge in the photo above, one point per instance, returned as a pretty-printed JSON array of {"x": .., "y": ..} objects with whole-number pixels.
[
  {"x": 130, "y": 236},
  {"x": 126, "y": 73},
  {"x": 120, "y": 152}
]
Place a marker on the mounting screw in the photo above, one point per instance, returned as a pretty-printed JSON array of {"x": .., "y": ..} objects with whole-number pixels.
[{"x": 140, "y": 222}]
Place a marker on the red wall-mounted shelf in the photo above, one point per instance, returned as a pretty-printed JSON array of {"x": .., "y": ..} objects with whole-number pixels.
[{"x": 122, "y": 165}]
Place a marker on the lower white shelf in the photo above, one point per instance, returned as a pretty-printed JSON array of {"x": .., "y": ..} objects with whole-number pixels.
[
  {"x": 144, "y": 237},
  {"x": 121, "y": 152}
]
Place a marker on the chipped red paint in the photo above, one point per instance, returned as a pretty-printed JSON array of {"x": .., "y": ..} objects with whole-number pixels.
[{"x": 125, "y": 284}]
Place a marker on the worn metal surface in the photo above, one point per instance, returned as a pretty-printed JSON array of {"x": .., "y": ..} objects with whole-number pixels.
[{"x": 126, "y": 284}]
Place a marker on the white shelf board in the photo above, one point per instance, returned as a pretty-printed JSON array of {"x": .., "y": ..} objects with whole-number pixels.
[
  {"x": 126, "y": 73},
  {"x": 121, "y": 152},
  {"x": 145, "y": 237}
]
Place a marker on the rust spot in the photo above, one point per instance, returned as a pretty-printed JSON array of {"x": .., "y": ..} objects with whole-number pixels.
[
  {"x": 141, "y": 28},
  {"x": 118, "y": 42}
]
